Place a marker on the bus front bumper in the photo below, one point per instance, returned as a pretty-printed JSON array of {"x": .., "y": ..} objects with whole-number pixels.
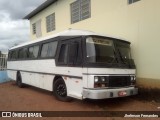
[{"x": 109, "y": 93}]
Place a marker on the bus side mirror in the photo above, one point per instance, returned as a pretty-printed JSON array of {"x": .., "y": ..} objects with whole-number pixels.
[{"x": 73, "y": 53}]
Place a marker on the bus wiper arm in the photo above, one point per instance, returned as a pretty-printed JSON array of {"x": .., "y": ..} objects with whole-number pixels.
[
  {"x": 121, "y": 56},
  {"x": 115, "y": 58},
  {"x": 125, "y": 62}
]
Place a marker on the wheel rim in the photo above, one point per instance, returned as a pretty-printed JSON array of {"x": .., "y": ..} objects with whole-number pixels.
[{"x": 61, "y": 90}]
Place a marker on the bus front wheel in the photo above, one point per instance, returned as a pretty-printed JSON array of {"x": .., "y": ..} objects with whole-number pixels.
[{"x": 60, "y": 90}]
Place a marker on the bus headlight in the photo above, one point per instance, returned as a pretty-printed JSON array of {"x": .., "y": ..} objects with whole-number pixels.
[
  {"x": 95, "y": 79},
  {"x": 100, "y": 81},
  {"x": 132, "y": 78}
]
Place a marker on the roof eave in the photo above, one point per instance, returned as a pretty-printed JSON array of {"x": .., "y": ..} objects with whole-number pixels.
[{"x": 39, "y": 9}]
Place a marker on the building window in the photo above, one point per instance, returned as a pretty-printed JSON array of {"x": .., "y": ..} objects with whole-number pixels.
[
  {"x": 50, "y": 22},
  {"x": 34, "y": 28},
  {"x": 80, "y": 10},
  {"x": 132, "y": 1}
]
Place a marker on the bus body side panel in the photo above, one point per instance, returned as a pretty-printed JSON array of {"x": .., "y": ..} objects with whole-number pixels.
[
  {"x": 73, "y": 80},
  {"x": 41, "y": 73},
  {"x": 26, "y": 77},
  {"x": 43, "y": 81},
  {"x": 38, "y": 73},
  {"x": 12, "y": 74}
]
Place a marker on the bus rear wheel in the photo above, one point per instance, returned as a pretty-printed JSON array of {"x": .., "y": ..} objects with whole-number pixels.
[
  {"x": 19, "y": 80},
  {"x": 60, "y": 90}
]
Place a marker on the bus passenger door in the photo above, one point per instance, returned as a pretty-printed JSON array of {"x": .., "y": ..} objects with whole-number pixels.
[{"x": 70, "y": 60}]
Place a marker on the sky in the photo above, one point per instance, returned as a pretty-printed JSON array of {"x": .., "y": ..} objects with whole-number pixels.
[{"x": 13, "y": 28}]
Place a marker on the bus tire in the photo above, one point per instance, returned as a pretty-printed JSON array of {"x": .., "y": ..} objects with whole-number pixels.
[
  {"x": 19, "y": 80},
  {"x": 60, "y": 90}
]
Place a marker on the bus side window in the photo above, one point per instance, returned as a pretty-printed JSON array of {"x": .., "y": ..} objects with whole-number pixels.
[
  {"x": 33, "y": 52},
  {"x": 30, "y": 52},
  {"x": 72, "y": 53},
  {"x": 49, "y": 49},
  {"x": 14, "y": 55},
  {"x": 52, "y": 49},
  {"x": 22, "y": 54},
  {"x": 44, "y": 50},
  {"x": 9, "y": 55},
  {"x": 62, "y": 59}
]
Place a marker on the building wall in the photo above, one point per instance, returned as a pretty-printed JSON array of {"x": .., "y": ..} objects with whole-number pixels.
[{"x": 137, "y": 23}]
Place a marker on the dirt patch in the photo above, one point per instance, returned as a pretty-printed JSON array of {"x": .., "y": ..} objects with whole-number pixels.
[
  {"x": 34, "y": 99},
  {"x": 149, "y": 94}
]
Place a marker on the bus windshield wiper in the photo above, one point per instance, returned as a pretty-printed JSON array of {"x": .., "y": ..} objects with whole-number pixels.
[
  {"x": 124, "y": 61},
  {"x": 115, "y": 58},
  {"x": 121, "y": 56}
]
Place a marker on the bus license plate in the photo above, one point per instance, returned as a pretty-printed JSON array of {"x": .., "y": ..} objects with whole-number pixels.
[{"x": 122, "y": 93}]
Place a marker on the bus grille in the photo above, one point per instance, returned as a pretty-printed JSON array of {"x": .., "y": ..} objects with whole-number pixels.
[{"x": 119, "y": 81}]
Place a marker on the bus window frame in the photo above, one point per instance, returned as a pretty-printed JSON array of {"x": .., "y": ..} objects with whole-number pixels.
[
  {"x": 32, "y": 45},
  {"x": 80, "y": 55}
]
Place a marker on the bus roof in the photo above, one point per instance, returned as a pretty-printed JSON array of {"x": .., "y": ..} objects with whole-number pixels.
[{"x": 69, "y": 32}]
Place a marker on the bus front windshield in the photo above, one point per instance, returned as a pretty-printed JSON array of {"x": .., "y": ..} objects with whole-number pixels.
[
  {"x": 99, "y": 50},
  {"x": 124, "y": 51}
]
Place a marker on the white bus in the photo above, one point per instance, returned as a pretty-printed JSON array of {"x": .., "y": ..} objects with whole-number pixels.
[{"x": 75, "y": 64}]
